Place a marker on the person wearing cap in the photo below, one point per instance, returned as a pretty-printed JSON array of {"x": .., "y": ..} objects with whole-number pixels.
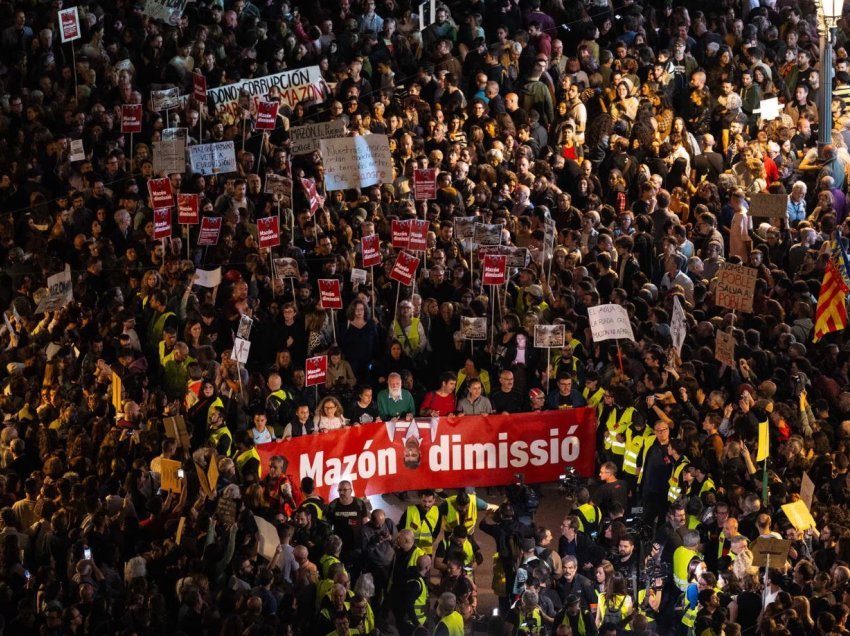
[
  {"x": 579, "y": 620},
  {"x": 537, "y": 399}
]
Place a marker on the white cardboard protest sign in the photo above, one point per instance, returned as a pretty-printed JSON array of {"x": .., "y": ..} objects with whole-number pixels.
[
  {"x": 610, "y": 322},
  {"x": 169, "y": 11},
  {"x": 215, "y": 158},
  {"x": 736, "y": 286},
  {"x": 241, "y": 349},
  {"x": 305, "y": 139},
  {"x": 208, "y": 277},
  {"x": 60, "y": 292},
  {"x": 678, "y": 326},
  {"x": 356, "y": 162}
]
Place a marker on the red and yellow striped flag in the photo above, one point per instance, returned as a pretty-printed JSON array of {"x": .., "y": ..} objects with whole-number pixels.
[{"x": 832, "y": 309}]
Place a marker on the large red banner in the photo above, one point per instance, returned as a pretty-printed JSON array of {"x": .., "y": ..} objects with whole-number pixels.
[{"x": 444, "y": 452}]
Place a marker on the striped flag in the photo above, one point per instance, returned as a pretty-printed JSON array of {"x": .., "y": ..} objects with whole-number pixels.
[{"x": 832, "y": 309}]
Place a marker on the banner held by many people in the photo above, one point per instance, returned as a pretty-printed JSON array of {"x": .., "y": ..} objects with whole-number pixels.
[{"x": 458, "y": 452}]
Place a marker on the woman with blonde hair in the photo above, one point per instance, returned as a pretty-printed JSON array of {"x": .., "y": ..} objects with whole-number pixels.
[{"x": 329, "y": 415}]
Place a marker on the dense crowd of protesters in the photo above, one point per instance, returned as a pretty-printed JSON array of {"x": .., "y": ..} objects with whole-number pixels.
[{"x": 635, "y": 126}]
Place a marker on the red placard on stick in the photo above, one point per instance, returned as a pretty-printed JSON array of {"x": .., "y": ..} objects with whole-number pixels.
[
  {"x": 188, "y": 206},
  {"x": 316, "y": 370},
  {"x": 495, "y": 269},
  {"x": 69, "y": 25},
  {"x": 424, "y": 184},
  {"x": 371, "y": 245},
  {"x": 210, "y": 230},
  {"x": 313, "y": 197},
  {"x": 418, "y": 238},
  {"x": 161, "y": 193},
  {"x": 131, "y": 118},
  {"x": 404, "y": 269},
  {"x": 268, "y": 231},
  {"x": 266, "y": 115},
  {"x": 199, "y": 87},
  {"x": 161, "y": 223},
  {"x": 330, "y": 293},
  {"x": 400, "y": 234}
]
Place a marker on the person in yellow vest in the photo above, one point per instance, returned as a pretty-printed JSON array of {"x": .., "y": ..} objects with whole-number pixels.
[
  {"x": 247, "y": 459},
  {"x": 639, "y": 437},
  {"x": 342, "y": 625},
  {"x": 221, "y": 439},
  {"x": 361, "y": 616},
  {"x": 579, "y": 621},
  {"x": 279, "y": 404},
  {"x": 592, "y": 391},
  {"x": 615, "y": 604},
  {"x": 462, "y": 509},
  {"x": 703, "y": 483},
  {"x": 450, "y": 620},
  {"x": 406, "y": 555},
  {"x": 333, "y": 548},
  {"x": 456, "y": 544},
  {"x": 414, "y": 607},
  {"x": 676, "y": 450},
  {"x": 166, "y": 345},
  {"x": 408, "y": 330},
  {"x": 527, "y": 618},
  {"x": 424, "y": 520},
  {"x": 159, "y": 318},
  {"x": 329, "y": 597},
  {"x": 647, "y": 607},
  {"x": 588, "y": 514},
  {"x": 684, "y": 558},
  {"x": 619, "y": 421},
  {"x": 566, "y": 361}
]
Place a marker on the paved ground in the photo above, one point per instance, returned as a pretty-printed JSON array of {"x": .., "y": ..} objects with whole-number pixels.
[{"x": 550, "y": 514}]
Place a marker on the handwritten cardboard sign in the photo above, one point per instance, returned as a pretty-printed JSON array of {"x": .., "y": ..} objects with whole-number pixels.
[{"x": 736, "y": 286}]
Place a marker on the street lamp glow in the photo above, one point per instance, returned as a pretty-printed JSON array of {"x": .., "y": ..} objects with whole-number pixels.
[{"x": 831, "y": 11}]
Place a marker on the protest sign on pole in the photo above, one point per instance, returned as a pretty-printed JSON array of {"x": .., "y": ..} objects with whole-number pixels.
[
  {"x": 404, "y": 270},
  {"x": 214, "y": 158},
  {"x": 356, "y": 162},
  {"x": 400, "y": 234},
  {"x": 165, "y": 99},
  {"x": 549, "y": 336},
  {"x": 487, "y": 233},
  {"x": 188, "y": 208},
  {"x": 454, "y": 452},
  {"x": 417, "y": 238},
  {"x": 495, "y": 270},
  {"x": 678, "y": 325},
  {"x": 78, "y": 151},
  {"x": 160, "y": 193},
  {"x": 286, "y": 268},
  {"x": 736, "y": 286},
  {"x": 305, "y": 139},
  {"x": 517, "y": 257},
  {"x": 330, "y": 293},
  {"x": 268, "y": 232},
  {"x": 69, "y": 25},
  {"x": 371, "y": 248},
  {"x": 161, "y": 223},
  {"x": 473, "y": 328},
  {"x": 358, "y": 276},
  {"x": 241, "y": 350},
  {"x": 464, "y": 228},
  {"x": 280, "y": 186},
  {"x": 199, "y": 87},
  {"x": 131, "y": 118},
  {"x": 610, "y": 322},
  {"x": 424, "y": 184},
  {"x": 316, "y": 370},
  {"x": 210, "y": 230},
  {"x": 314, "y": 199},
  {"x": 724, "y": 348},
  {"x": 169, "y": 155},
  {"x": 266, "y": 115}
]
